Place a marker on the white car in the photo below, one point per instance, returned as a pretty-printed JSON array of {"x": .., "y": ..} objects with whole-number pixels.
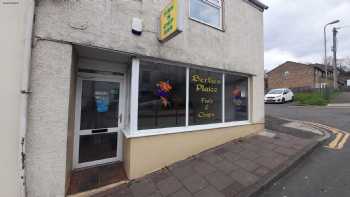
[{"x": 281, "y": 95}]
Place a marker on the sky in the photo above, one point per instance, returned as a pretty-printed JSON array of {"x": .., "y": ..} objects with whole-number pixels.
[{"x": 294, "y": 30}]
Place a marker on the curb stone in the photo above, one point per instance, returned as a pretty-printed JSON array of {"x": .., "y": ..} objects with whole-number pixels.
[
  {"x": 259, "y": 187},
  {"x": 339, "y": 105},
  {"x": 284, "y": 169},
  {"x": 326, "y": 133}
]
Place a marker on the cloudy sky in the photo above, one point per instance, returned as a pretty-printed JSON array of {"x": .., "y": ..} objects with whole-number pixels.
[{"x": 294, "y": 30}]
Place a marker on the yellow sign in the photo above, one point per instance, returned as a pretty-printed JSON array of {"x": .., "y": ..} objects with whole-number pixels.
[{"x": 170, "y": 20}]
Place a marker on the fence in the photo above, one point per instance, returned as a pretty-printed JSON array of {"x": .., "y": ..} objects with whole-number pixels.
[
  {"x": 305, "y": 89},
  {"x": 344, "y": 89},
  {"x": 325, "y": 92}
]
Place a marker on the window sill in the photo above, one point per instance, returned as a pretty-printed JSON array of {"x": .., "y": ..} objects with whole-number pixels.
[
  {"x": 206, "y": 24},
  {"x": 165, "y": 131}
]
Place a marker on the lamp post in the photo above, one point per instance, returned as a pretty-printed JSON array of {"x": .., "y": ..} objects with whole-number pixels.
[
  {"x": 334, "y": 48},
  {"x": 325, "y": 47},
  {"x": 335, "y": 71}
]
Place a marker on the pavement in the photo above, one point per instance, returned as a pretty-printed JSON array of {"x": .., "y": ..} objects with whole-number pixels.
[
  {"x": 275, "y": 163},
  {"x": 325, "y": 172},
  {"x": 341, "y": 100},
  {"x": 238, "y": 168},
  {"x": 343, "y": 97}
]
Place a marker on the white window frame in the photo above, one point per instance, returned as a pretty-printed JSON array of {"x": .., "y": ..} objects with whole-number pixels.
[
  {"x": 133, "y": 131},
  {"x": 210, "y": 3}
]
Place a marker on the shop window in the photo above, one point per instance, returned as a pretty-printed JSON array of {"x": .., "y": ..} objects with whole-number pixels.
[
  {"x": 207, "y": 11},
  {"x": 205, "y": 97},
  {"x": 167, "y": 92},
  {"x": 236, "y": 98},
  {"x": 162, "y": 96}
]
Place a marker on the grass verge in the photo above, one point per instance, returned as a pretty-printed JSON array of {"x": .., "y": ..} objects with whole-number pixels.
[{"x": 313, "y": 98}]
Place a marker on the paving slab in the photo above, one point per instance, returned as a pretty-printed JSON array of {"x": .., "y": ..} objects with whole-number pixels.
[
  {"x": 209, "y": 192},
  {"x": 182, "y": 193},
  {"x": 219, "y": 180},
  {"x": 233, "y": 169},
  {"x": 169, "y": 186},
  {"x": 225, "y": 166},
  {"x": 142, "y": 188},
  {"x": 245, "y": 178},
  {"x": 195, "y": 183}
]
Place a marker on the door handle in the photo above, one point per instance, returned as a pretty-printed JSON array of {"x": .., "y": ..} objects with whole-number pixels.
[{"x": 120, "y": 118}]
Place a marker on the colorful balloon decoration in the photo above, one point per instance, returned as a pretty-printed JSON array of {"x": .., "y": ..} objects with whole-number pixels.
[{"x": 163, "y": 91}]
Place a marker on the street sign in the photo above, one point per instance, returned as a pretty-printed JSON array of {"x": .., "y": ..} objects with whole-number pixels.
[{"x": 171, "y": 20}]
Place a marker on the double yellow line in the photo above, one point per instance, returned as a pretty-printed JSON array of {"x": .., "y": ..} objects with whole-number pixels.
[{"x": 341, "y": 137}]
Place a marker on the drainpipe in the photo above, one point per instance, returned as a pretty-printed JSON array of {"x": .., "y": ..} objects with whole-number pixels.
[{"x": 28, "y": 23}]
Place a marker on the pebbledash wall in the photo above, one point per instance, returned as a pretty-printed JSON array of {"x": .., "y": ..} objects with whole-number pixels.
[{"x": 60, "y": 25}]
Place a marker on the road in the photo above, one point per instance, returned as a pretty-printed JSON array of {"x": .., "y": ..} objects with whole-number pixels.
[{"x": 325, "y": 172}]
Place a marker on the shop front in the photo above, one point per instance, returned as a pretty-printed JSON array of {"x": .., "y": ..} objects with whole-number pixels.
[
  {"x": 121, "y": 89},
  {"x": 145, "y": 114}
]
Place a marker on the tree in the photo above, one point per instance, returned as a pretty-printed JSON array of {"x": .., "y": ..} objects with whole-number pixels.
[{"x": 344, "y": 64}]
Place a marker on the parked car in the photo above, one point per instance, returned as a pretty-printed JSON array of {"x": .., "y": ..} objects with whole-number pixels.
[{"x": 281, "y": 95}]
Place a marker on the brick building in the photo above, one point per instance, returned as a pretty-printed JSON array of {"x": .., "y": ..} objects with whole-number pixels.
[
  {"x": 344, "y": 77},
  {"x": 297, "y": 75}
]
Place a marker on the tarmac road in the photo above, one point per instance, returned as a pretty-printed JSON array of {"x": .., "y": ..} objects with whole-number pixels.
[{"x": 326, "y": 171}]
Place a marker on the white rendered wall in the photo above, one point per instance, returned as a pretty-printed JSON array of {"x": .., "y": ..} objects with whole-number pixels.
[{"x": 12, "y": 51}]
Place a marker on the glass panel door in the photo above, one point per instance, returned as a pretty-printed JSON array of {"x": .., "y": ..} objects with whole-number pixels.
[{"x": 99, "y": 119}]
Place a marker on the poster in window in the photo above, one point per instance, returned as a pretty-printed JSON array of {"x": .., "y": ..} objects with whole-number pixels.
[
  {"x": 102, "y": 101},
  {"x": 205, "y": 99}
]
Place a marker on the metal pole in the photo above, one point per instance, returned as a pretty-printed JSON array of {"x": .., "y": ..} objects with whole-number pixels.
[
  {"x": 325, "y": 46},
  {"x": 325, "y": 54},
  {"x": 325, "y": 93},
  {"x": 325, "y": 51},
  {"x": 25, "y": 89},
  {"x": 335, "y": 73}
]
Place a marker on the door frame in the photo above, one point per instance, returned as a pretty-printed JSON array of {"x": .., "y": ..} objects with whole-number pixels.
[{"x": 121, "y": 118}]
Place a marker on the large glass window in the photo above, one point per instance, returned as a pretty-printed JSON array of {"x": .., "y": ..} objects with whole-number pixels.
[
  {"x": 162, "y": 96},
  {"x": 205, "y": 97},
  {"x": 207, "y": 11},
  {"x": 236, "y": 98},
  {"x": 171, "y": 97}
]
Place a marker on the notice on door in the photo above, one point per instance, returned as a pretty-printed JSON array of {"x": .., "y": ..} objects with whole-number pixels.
[
  {"x": 102, "y": 101},
  {"x": 205, "y": 97}
]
